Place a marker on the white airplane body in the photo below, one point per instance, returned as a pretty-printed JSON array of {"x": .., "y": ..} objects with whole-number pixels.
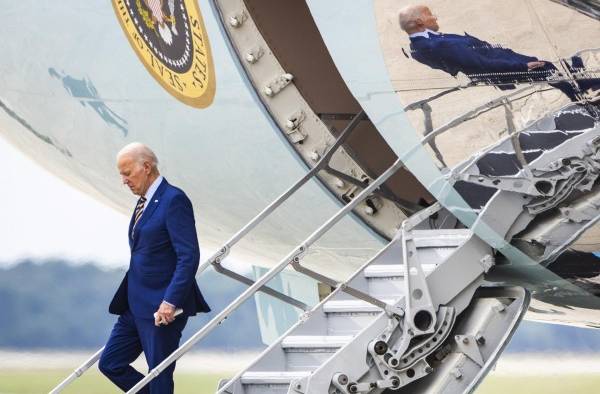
[{"x": 239, "y": 99}]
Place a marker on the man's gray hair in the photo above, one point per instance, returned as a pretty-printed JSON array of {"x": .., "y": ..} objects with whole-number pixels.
[
  {"x": 140, "y": 152},
  {"x": 408, "y": 16}
]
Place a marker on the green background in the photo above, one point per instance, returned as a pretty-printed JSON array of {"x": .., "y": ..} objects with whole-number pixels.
[{"x": 30, "y": 382}]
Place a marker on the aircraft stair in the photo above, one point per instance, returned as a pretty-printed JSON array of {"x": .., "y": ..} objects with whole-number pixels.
[
  {"x": 418, "y": 317},
  {"x": 375, "y": 337}
]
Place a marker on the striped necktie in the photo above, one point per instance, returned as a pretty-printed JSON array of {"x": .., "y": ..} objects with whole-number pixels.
[{"x": 139, "y": 209}]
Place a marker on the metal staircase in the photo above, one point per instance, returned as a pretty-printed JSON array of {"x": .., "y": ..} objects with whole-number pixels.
[
  {"x": 348, "y": 345},
  {"x": 417, "y": 317}
]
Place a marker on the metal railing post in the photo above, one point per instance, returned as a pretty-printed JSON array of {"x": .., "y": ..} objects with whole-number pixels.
[{"x": 78, "y": 372}]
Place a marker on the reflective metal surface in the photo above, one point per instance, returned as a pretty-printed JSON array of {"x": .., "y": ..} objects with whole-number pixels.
[{"x": 389, "y": 78}]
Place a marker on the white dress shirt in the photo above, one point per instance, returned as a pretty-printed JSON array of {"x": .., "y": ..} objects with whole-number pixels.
[
  {"x": 425, "y": 33},
  {"x": 152, "y": 189}
]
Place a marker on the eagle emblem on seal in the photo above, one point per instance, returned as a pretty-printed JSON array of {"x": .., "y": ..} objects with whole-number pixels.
[
  {"x": 159, "y": 18},
  {"x": 170, "y": 39}
]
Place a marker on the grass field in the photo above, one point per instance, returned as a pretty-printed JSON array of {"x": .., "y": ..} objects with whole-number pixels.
[{"x": 35, "y": 382}]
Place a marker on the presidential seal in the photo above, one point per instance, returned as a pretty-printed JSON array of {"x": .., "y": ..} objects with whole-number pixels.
[{"x": 170, "y": 39}]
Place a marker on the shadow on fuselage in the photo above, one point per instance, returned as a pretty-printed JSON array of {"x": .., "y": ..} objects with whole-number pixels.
[{"x": 86, "y": 93}]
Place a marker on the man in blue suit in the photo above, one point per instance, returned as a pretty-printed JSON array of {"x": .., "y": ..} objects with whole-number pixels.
[
  {"x": 160, "y": 279},
  {"x": 478, "y": 59}
]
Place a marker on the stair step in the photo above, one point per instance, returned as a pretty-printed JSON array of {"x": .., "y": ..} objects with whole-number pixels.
[
  {"x": 352, "y": 306},
  {"x": 392, "y": 271},
  {"x": 387, "y": 280},
  {"x": 343, "y": 318},
  {"x": 315, "y": 341},
  {"x": 307, "y": 352},
  {"x": 439, "y": 238},
  {"x": 349, "y": 317},
  {"x": 272, "y": 377}
]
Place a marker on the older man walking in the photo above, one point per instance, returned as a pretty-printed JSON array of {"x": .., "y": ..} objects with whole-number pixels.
[{"x": 160, "y": 279}]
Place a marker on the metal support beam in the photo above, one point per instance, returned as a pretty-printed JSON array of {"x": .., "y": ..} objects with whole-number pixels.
[
  {"x": 265, "y": 289},
  {"x": 421, "y": 315},
  {"x": 342, "y": 285}
]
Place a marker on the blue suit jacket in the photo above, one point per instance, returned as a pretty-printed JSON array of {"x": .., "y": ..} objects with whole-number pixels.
[
  {"x": 453, "y": 53},
  {"x": 164, "y": 258}
]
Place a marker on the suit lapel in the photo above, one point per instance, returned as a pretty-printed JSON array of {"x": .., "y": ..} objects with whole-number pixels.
[{"x": 149, "y": 210}]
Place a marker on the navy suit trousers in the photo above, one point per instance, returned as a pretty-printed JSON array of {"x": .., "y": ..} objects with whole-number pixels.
[{"x": 129, "y": 337}]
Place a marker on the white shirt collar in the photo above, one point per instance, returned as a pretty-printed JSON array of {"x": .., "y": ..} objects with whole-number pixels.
[
  {"x": 152, "y": 189},
  {"x": 425, "y": 33}
]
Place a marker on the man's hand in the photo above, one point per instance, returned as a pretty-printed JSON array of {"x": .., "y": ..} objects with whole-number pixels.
[
  {"x": 534, "y": 65},
  {"x": 165, "y": 314}
]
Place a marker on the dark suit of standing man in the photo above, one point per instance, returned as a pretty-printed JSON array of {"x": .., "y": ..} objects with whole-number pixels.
[
  {"x": 160, "y": 279},
  {"x": 476, "y": 58}
]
